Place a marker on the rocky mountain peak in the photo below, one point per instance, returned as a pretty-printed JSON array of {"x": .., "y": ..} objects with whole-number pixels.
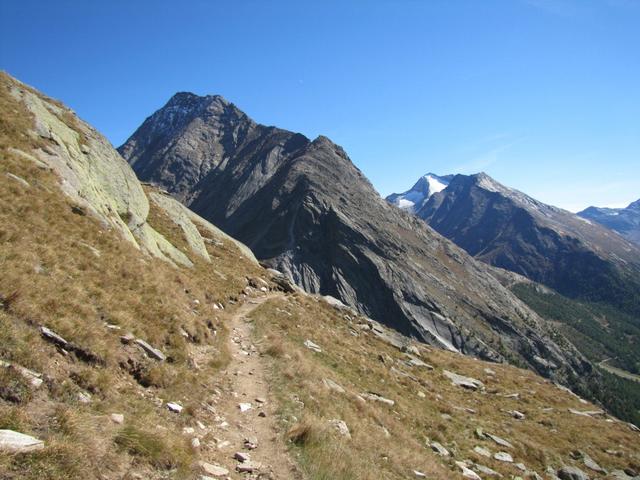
[{"x": 427, "y": 185}]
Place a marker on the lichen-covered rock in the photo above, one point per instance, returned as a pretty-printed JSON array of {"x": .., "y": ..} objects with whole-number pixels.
[{"x": 99, "y": 182}]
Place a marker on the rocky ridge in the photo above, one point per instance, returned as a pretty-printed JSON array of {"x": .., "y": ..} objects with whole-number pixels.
[{"x": 624, "y": 221}]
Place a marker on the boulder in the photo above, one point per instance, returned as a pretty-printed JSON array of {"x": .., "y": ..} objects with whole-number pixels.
[
  {"x": 213, "y": 470},
  {"x": 333, "y": 386},
  {"x": 60, "y": 342},
  {"x": 378, "y": 398},
  {"x": 591, "y": 464},
  {"x": 341, "y": 427},
  {"x": 503, "y": 457},
  {"x": 586, "y": 413},
  {"x": 16, "y": 442},
  {"x": 248, "y": 467},
  {"x": 572, "y": 473},
  {"x": 242, "y": 457},
  {"x": 312, "y": 346},
  {"x": 462, "y": 381},
  {"x": 500, "y": 441},
  {"x": 482, "y": 451},
  {"x": 439, "y": 449},
  {"x": 486, "y": 470},
  {"x": 517, "y": 415},
  {"x": 150, "y": 351},
  {"x": 34, "y": 378},
  {"x": 467, "y": 472},
  {"x": 117, "y": 418}
]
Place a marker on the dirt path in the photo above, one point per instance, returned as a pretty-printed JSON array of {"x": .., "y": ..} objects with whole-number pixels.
[{"x": 247, "y": 384}]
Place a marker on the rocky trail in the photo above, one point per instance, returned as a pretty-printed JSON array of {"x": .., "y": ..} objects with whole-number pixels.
[{"x": 248, "y": 429}]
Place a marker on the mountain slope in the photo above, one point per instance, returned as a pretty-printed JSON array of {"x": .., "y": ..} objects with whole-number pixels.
[
  {"x": 414, "y": 199},
  {"x": 106, "y": 407},
  {"x": 625, "y": 221},
  {"x": 303, "y": 207},
  {"x": 508, "y": 229}
]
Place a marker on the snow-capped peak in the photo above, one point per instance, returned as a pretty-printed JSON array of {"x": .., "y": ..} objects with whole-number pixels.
[{"x": 417, "y": 196}]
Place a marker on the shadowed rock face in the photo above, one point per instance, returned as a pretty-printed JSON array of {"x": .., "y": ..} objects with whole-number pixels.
[
  {"x": 305, "y": 209},
  {"x": 625, "y": 221},
  {"x": 508, "y": 229}
]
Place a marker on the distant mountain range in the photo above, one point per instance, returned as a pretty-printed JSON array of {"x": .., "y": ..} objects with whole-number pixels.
[
  {"x": 305, "y": 209},
  {"x": 625, "y": 221},
  {"x": 508, "y": 229}
]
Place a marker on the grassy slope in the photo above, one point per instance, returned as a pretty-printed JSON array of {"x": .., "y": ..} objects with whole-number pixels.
[
  {"x": 63, "y": 270},
  {"x": 363, "y": 363}
]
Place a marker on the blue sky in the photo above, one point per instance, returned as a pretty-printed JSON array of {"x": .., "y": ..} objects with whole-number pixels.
[{"x": 544, "y": 95}]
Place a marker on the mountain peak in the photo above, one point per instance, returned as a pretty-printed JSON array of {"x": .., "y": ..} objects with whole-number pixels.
[
  {"x": 424, "y": 188},
  {"x": 634, "y": 205},
  {"x": 190, "y": 97}
]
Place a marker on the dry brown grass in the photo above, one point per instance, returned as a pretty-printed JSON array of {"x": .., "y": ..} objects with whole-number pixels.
[
  {"x": 543, "y": 438},
  {"x": 51, "y": 277}
]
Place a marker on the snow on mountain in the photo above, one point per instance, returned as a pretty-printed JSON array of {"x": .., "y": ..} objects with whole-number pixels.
[
  {"x": 417, "y": 196},
  {"x": 624, "y": 221}
]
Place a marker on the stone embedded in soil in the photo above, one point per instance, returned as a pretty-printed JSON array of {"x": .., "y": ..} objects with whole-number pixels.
[
  {"x": 248, "y": 467},
  {"x": 174, "y": 407},
  {"x": 503, "y": 457},
  {"x": 439, "y": 449},
  {"x": 333, "y": 386},
  {"x": 378, "y": 398},
  {"x": 517, "y": 415},
  {"x": 213, "y": 470},
  {"x": 572, "y": 473},
  {"x": 242, "y": 457},
  {"x": 251, "y": 443},
  {"x": 117, "y": 418},
  {"x": 462, "y": 381},
  {"x": 16, "y": 442},
  {"x": 467, "y": 472},
  {"x": 312, "y": 346},
  {"x": 592, "y": 464},
  {"x": 150, "y": 351},
  {"x": 341, "y": 427},
  {"x": 500, "y": 441},
  {"x": 482, "y": 451}
]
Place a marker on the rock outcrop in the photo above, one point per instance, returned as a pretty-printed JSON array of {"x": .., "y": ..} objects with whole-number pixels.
[{"x": 100, "y": 183}]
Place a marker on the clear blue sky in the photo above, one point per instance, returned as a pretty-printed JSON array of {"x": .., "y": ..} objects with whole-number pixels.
[{"x": 544, "y": 95}]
